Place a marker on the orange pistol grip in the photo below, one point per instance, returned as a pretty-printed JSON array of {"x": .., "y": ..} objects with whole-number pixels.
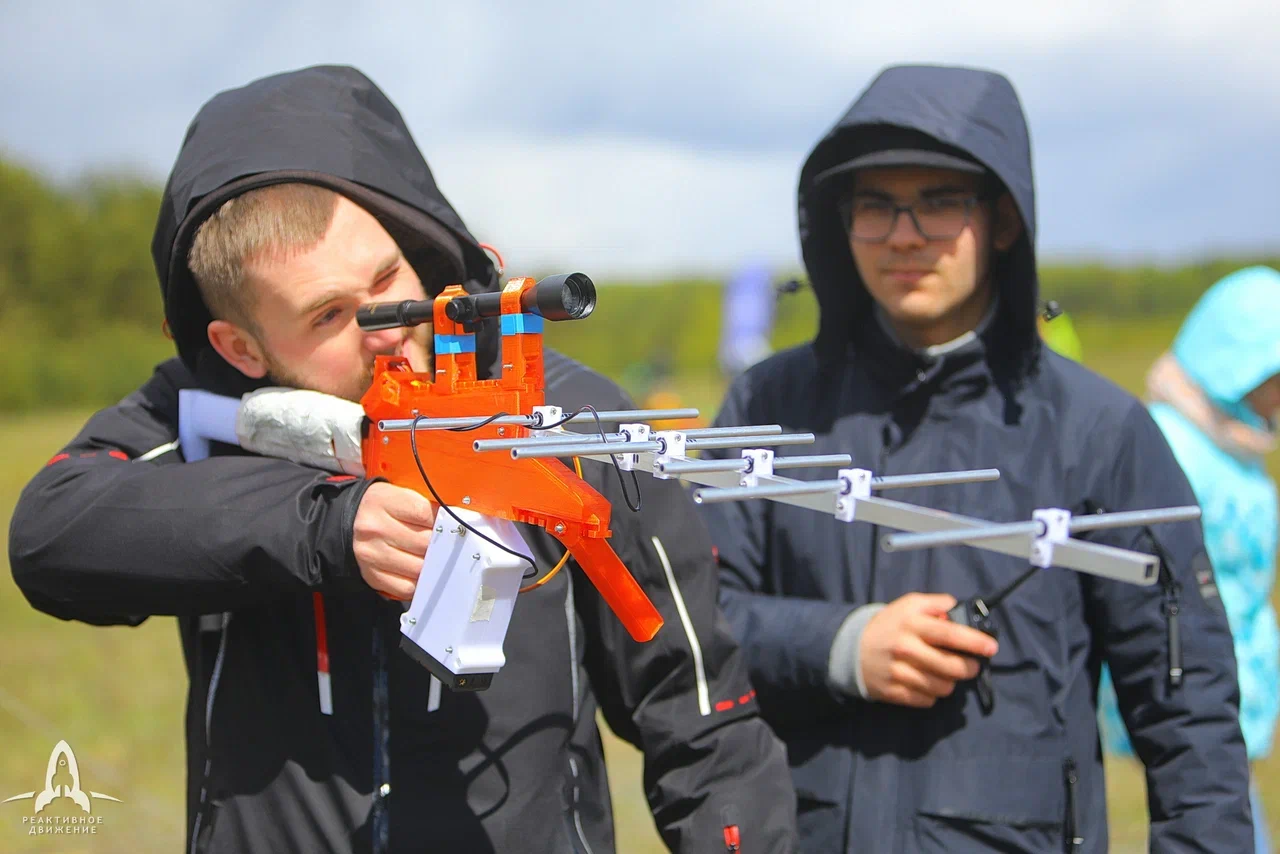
[{"x": 620, "y": 590}]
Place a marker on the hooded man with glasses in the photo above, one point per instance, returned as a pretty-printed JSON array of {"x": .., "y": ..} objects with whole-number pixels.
[{"x": 917, "y": 223}]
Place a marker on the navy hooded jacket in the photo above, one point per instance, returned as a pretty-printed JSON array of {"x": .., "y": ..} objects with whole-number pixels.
[{"x": 873, "y": 776}]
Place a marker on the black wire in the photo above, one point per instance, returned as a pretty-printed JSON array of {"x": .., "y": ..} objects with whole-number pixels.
[
  {"x": 1009, "y": 588},
  {"x": 413, "y": 443},
  {"x": 484, "y": 423},
  {"x": 622, "y": 484}
]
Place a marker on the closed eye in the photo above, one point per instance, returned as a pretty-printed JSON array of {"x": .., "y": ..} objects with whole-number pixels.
[
  {"x": 328, "y": 317},
  {"x": 385, "y": 279}
]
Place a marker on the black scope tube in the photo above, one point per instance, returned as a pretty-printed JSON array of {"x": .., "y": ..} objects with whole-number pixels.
[{"x": 568, "y": 296}]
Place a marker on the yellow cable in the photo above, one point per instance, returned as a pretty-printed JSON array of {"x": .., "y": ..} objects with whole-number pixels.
[{"x": 577, "y": 467}]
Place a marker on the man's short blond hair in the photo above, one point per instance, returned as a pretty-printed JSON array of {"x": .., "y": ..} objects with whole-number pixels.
[{"x": 273, "y": 222}]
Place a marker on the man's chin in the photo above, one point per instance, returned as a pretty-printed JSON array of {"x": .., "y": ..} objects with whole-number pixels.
[
  {"x": 346, "y": 394},
  {"x": 915, "y": 314}
]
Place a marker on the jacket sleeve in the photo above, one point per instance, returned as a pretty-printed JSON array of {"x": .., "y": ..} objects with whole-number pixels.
[
  {"x": 683, "y": 698},
  {"x": 116, "y": 527},
  {"x": 787, "y": 640},
  {"x": 1188, "y": 736}
]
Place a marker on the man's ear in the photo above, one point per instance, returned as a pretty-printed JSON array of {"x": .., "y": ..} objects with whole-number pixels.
[
  {"x": 239, "y": 348},
  {"x": 1007, "y": 227}
]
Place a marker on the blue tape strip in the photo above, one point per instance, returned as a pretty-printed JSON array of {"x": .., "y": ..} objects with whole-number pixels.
[
  {"x": 454, "y": 344},
  {"x": 517, "y": 324}
]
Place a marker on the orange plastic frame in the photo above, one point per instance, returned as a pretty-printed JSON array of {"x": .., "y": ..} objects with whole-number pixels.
[{"x": 542, "y": 492}]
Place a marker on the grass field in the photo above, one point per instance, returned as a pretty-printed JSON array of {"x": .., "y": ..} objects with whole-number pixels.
[{"x": 116, "y": 694}]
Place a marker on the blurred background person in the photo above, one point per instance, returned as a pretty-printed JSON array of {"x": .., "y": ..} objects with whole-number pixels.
[
  {"x": 1059, "y": 333},
  {"x": 747, "y": 321},
  {"x": 1216, "y": 397}
]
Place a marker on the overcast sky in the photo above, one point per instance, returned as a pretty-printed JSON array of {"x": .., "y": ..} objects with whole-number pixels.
[{"x": 668, "y": 138}]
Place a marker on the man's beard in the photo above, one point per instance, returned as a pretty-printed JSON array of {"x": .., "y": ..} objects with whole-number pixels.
[
  {"x": 279, "y": 375},
  {"x": 420, "y": 340}
]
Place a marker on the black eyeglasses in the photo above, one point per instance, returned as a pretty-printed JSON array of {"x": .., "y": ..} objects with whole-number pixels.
[{"x": 872, "y": 220}]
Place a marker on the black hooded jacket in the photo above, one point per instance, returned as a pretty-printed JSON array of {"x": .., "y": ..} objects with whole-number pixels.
[
  {"x": 1028, "y": 776},
  {"x": 254, "y": 556}
]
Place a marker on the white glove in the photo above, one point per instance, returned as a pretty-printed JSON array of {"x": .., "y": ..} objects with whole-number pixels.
[{"x": 307, "y": 427}]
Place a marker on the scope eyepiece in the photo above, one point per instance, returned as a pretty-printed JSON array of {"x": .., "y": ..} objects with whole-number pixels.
[{"x": 568, "y": 296}]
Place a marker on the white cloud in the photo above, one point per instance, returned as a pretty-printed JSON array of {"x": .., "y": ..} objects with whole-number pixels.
[
  {"x": 610, "y": 205},
  {"x": 667, "y": 136}
]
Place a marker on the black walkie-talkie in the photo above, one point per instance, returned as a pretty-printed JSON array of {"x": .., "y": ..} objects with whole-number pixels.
[{"x": 976, "y": 613}]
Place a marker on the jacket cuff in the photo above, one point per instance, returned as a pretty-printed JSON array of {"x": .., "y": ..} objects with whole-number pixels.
[
  {"x": 844, "y": 667},
  {"x": 347, "y": 571}
]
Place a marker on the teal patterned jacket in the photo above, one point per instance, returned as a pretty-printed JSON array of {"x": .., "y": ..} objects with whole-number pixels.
[{"x": 1228, "y": 345}]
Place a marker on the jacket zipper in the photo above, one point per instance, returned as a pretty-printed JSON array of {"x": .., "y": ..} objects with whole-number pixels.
[
  {"x": 1071, "y": 836},
  {"x": 214, "y": 678},
  {"x": 571, "y": 624},
  {"x": 1172, "y": 607}
]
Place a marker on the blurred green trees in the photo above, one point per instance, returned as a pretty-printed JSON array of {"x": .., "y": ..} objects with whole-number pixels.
[{"x": 80, "y": 314}]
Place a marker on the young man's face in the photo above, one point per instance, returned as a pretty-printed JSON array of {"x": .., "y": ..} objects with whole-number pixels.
[
  {"x": 306, "y": 304},
  {"x": 934, "y": 287}
]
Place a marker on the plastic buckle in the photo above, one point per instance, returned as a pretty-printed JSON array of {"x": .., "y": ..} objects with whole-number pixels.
[
  {"x": 673, "y": 448},
  {"x": 632, "y": 433},
  {"x": 759, "y": 464},
  {"x": 859, "y": 481},
  {"x": 548, "y": 415},
  {"x": 1057, "y": 529}
]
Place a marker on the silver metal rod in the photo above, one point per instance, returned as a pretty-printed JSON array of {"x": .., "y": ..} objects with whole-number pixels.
[
  {"x": 1134, "y": 517},
  {"x": 679, "y": 467},
  {"x": 396, "y": 425},
  {"x": 900, "y": 481},
  {"x": 906, "y": 542},
  {"x": 1097, "y": 559},
  {"x": 482, "y": 445},
  {"x": 582, "y": 449},
  {"x": 629, "y": 415},
  {"x": 699, "y": 466},
  {"x": 746, "y": 430},
  {"x": 772, "y": 490},
  {"x": 816, "y": 461},
  {"x": 751, "y": 441},
  {"x": 565, "y": 437}
]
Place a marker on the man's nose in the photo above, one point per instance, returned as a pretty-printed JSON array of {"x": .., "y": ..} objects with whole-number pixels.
[
  {"x": 383, "y": 340},
  {"x": 904, "y": 234}
]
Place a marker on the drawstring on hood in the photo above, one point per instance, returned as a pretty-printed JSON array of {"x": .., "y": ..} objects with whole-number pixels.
[
  {"x": 963, "y": 117},
  {"x": 325, "y": 125}
]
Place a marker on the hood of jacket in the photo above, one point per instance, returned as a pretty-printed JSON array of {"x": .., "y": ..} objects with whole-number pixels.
[
  {"x": 970, "y": 113},
  {"x": 326, "y": 125},
  {"x": 1230, "y": 342}
]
